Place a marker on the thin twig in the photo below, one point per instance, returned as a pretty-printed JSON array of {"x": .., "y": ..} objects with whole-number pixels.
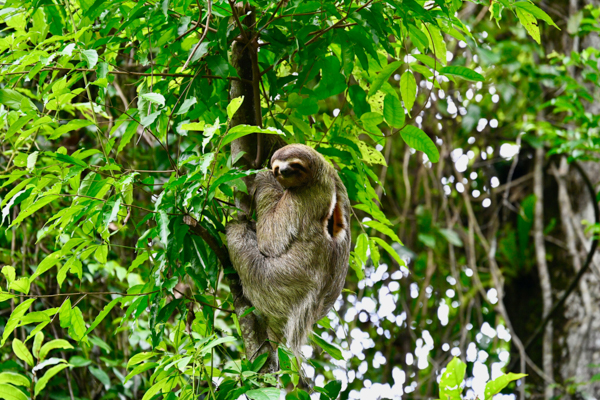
[{"x": 201, "y": 39}]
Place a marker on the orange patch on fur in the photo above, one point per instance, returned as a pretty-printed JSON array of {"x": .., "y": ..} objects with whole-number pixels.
[{"x": 336, "y": 222}]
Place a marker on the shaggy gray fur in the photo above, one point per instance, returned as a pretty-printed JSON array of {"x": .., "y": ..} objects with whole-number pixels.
[{"x": 294, "y": 265}]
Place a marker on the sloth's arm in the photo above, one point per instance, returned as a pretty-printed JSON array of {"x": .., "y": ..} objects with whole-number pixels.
[{"x": 277, "y": 221}]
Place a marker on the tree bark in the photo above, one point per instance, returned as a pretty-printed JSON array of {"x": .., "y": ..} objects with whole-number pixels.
[
  {"x": 244, "y": 57},
  {"x": 544, "y": 275}
]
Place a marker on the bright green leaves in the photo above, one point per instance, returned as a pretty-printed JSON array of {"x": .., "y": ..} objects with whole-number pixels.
[
  {"x": 393, "y": 112},
  {"x": 535, "y": 11},
  {"x": 14, "y": 379},
  {"x": 451, "y": 382},
  {"x": 90, "y": 57},
  {"x": 408, "y": 90},
  {"x": 332, "y": 81},
  {"x": 452, "y": 379},
  {"x": 72, "y": 319},
  {"x": 22, "y": 352},
  {"x": 418, "y": 140},
  {"x": 436, "y": 42},
  {"x": 331, "y": 349},
  {"x": 15, "y": 100},
  {"x": 462, "y": 72},
  {"x": 52, "y": 345},
  {"x": 234, "y": 105},
  {"x": 9, "y": 392},
  {"x": 239, "y": 131},
  {"x": 530, "y": 23},
  {"x": 264, "y": 394},
  {"x": 15, "y": 318},
  {"x": 383, "y": 76},
  {"x": 494, "y": 387},
  {"x": 528, "y": 14},
  {"x": 163, "y": 227},
  {"x": 155, "y": 98},
  {"x": 43, "y": 381}
]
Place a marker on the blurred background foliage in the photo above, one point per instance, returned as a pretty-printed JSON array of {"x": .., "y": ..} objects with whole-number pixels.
[{"x": 465, "y": 132}]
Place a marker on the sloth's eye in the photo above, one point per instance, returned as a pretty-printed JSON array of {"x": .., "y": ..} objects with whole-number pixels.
[{"x": 298, "y": 166}]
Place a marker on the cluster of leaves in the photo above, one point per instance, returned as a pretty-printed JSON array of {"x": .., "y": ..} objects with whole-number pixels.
[
  {"x": 452, "y": 381},
  {"x": 102, "y": 168}
]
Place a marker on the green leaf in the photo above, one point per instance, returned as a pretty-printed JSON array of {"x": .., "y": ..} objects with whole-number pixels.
[
  {"x": 13, "y": 99},
  {"x": 139, "y": 260},
  {"x": 72, "y": 125},
  {"x": 155, "y": 98},
  {"x": 331, "y": 349},
  {"x": 264, "y": 394},
  {"x": 54, "y": 344},
  {"x": 20, "y": 285},
  {"x": 383, "y": 77},
  {"x": 383, "y": 229},
  {"x": 22, "y": 352},
  {"x": 185, "y": 107},
  {"x": 494, "y": 387},
  {"x": 139, "y": 369},
  {"x": 64, "y": 314},
  {"x": 418, "y": 140},
  {"x": 9, "y": 392},
  {"x": 154, "y": 389},
  {"x": 14, "y": 379},
  {"x": 101, "y": 376},
  {"x": 535, "y": 11},
  {"x": 217, "y": 342},
  {"x": 77, "y": 326},
  {"x": 43, "y": 381},
  {"x": 163, "y": 227},
  {"x": 194, "y": 126},
  {"x": 325, "y": 322},
  {"x": 530, "y": 23},
  {"x": 362, "y": 245},
  {"x": 436, "y": 42},
  {"x": 138, "y": 358},
  {"x": 14, "y": 319},
  {"x": 451, "y": 380},
  {"x": 408, "y": 90},
  {"x": 37, "y": 343},
  {"x": 33, "y": 208},
  {"x": 462, "y": 72},
  {"x": 130, "y": 131},
  {"x": 17, "y": 125},
  {"x": 9, "y": 273},
  {"x": 390, "y": 250},
  {"x": 452, "y": 237},
  {"x": 101, "y": 254},
  {"x": 47, "y": 263},
  {"x": 78, "y": 361},
  {"x": 233, "y": 106},
  {"x": 103, "y": 314},
  {"x": 31, "y": 160},
  {"x": 239, "y": 131},
  {"x": 393, "y": 112},
  {"x": 91, "y": 57},
  {"x": 6, "y": 296}
]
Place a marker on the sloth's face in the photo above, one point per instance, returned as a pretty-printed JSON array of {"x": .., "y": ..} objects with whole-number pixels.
[{"x": 291, "y": 172}]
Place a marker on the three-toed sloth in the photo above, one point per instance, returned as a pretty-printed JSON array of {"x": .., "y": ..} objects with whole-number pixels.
[{"x": 294, "y": 265}]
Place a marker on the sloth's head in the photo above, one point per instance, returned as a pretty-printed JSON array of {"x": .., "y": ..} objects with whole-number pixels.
[{"x": 296, "y": 165}]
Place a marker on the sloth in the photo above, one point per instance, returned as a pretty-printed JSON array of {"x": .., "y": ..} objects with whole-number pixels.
[{"x": 293, "y": 265}]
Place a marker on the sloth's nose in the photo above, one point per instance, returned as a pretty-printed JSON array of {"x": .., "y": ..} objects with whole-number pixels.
[{"x": 286, "y": 171}]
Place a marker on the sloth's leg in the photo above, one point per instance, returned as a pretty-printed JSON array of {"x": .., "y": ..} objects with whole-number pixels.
[{"x": 267, "y": 281}]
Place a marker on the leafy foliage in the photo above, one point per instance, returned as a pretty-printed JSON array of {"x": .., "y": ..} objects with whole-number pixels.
[{"x": 104, "y": 166}]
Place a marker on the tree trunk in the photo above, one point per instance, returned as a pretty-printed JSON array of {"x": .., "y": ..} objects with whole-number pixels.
[{"x": 244, "y": 57}]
